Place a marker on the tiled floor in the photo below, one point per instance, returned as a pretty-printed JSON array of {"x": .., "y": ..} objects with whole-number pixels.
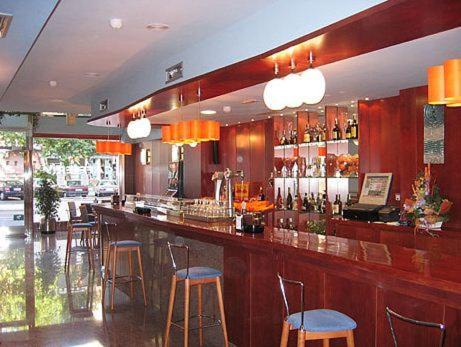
[{"x": 41, "y": 305}]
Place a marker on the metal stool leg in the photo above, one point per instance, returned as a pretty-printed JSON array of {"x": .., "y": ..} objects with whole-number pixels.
[
  {"x": 170, "y": 310},
  {"x": 130, "y": 262},
  {"x": 221, "y": 310}
]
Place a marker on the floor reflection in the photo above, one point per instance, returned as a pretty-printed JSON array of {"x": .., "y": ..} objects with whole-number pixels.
[{"x": 41, "y": 304}]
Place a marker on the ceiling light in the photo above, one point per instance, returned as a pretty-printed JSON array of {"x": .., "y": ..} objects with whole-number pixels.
[
  {"x": 227, "y": 124},
  {"x": 53, "y": 84},
  {"x": 57, "y": 100},
  {"x": 249, "y": 101},
  {"x": 116, "y": 23},
  {"x": 352, "y": 101},
  {"x": 320, "y": 107},
  {"x": 252, "y": 119},
  {"x": 157, "y": 26},
  {"x": 273, "y": 94},
  {"x": 269, "y": 117},
  {"x": 313, "y": 84},
  {"x": 208, "y": 112},
  {"x": 367, "y": 99},
  {"x": 92, "y": 74},
  {"x": 226, "y": 109}
]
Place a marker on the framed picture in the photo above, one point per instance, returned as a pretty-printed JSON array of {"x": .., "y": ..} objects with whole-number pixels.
[{"x": 375, "y": 188}]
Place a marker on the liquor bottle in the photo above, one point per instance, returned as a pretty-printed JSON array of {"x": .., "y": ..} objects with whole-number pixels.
[
  {"x": 306, "y": 203},
  {"x": 349, "y": 200},
  {"x": 348, "y": 130},
  {"x": 290, "y": 224},
  {"x": 340, "y": 205},
  {"x": 335, "y": 207},
  {"x": 307, "y": 135},
  {"x": 336, "y": 131},
  {"x": 354, "y": 128},
  {"x": 324, "y": 133},
  {"x": 279, "y": 200},
  {"x": 289, "y": 202},
  {"x": 281, "y": 224},
  {"x": 312, "y": 203},
  {"x": 319, "y": 133},
  {"x": 283, "y": 139},
  {"x": 323, "y": 206},
  {"x": 294, "y": 137},
  {"x": 261, "y": 196},
  {"x": 295, "y": 203}
]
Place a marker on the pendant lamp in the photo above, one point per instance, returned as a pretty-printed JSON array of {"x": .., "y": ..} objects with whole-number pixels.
[
  {"x": 313, "y": 84},
  {"x": 293, "y": 85},
  {"x": 436, "y": 85},
  {"x": 273, "y": 94},
  {"x": 452, "y": 77}
]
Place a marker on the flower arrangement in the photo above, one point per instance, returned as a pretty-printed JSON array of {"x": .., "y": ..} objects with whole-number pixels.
[{"x": 426, "y": 209}]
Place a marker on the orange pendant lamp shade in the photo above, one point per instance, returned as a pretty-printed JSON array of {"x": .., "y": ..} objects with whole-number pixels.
[
  {"x": 212, "y": 130},
  {"x": 197, "y": 131},
  {"x": 452, "y": 77},
  {"x": 184, "y": 132},
  {"x": 100, "y": 146},
  {"x": 166, "y": 134},
  {"x": 175, "y": 137},
  {"x": 436, "y": 85},
  {"x": 126, "y": 148}
]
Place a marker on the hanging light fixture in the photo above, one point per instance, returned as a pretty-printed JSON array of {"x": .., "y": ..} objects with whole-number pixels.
[
  {"x": 452, "y": 77},
  {"x": 273, "y": 94},
  {"x": 112, "y": 147},
  {"x": 191, "y": 132},
  {"x": 444, "y": 83},
  {"x": 139, "y": 128},
  {"x": 293, "y": 85},
  {"x": 313, "y": 84}
]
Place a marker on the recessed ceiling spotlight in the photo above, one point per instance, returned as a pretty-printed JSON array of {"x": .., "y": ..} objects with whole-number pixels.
[
  {"x": 227, "y": 124},
  {"x": 320, "y": 107},
  {"x": 238, "y": 122},
  {"x": 208, "y": 112},
  {"x": 226, "y": 109},
  {"x": 249, "y": 101},
  {"x": 336, "y": 104},
  {"x": 92, "y": 74},
  {"x": 57, "y": 100},
  {"x": 53, "y": 84},
  {"x": 157, "y": 26},
  {"x": 367, "y": 99},
  {"x": 252, "y": 119},
  {"x": 116, "y": 23},
  {"x": 269, "y": 117},
  {"x": 352, "y": 101}
]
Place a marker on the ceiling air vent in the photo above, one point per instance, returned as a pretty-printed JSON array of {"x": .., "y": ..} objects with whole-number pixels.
[
  {"x": 173, "y": 73},
  {"x": 5, "y": 21}
]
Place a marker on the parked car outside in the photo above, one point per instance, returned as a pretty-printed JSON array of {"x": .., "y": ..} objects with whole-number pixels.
[
  {"x": 74, "y": 188},
  {"x": 106, "y": 188},
  {"x": 11, "y": 189}
]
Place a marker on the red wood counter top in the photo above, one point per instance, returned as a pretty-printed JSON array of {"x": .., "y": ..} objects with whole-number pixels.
[{"x": 435, "y": 267}]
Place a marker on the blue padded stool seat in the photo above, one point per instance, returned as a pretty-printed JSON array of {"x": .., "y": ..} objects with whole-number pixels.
[
  {"x": 126, "y": 243},
  {"x": 82, "y": 225},
  {"x": 322, "y": 320},
  {"x": 198, "y": 272}
]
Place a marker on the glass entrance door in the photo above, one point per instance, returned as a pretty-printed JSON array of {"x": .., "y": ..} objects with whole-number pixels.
[{"x": 12, "y": 146}]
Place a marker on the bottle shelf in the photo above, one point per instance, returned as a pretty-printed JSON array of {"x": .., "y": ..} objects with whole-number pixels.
[
  {"x": 299, "y": 177},
  {"x": 331, "y": 142},
  {"x": 281, "y": 147},
  {"x": 344, "y": 177},
  {"x": 312, "y": 144}
]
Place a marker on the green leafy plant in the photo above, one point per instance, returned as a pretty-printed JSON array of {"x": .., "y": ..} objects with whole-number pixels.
[
  {"x": 47, "y": 195},
  {"x": 316, "y": 227}
]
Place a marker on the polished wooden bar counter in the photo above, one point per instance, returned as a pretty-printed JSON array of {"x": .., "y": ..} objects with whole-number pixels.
[{"x": 357, "y": 277}]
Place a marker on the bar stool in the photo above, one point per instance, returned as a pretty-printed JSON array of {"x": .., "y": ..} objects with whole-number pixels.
[
  {"x": 390, "y": 314},
  {"x": 85, "y": 218},
  {"x": 193, "y": 276},
  {"x": 86, "y": 231},
  {"x": 110, "y": 267},
  {"x": 320, "y": 324}
]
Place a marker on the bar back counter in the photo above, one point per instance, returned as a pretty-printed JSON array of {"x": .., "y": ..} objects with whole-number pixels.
[{"x": 417, "y": 276}]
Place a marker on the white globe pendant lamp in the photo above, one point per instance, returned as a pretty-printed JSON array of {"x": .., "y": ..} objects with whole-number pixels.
[
  {"x": 293, "y": 90},
  {"x": 273, "y": 94},
  {"x": 143, "y": 128},
  {"x": 131, "y": 129},
  {"x": 313, "y": 82}
]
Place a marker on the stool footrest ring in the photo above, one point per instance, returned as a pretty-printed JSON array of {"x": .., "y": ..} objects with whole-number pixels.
[{"x": 213, "y": 322}]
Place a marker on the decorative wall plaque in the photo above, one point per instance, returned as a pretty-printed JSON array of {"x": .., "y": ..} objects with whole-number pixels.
[{"x": 434, "y": 134}]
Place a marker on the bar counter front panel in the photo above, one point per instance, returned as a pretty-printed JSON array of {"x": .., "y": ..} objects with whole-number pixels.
[{"x": 359, "y": 278}]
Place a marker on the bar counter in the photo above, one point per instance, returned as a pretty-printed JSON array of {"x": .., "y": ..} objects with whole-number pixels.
[{"x": 359, "y": 278}]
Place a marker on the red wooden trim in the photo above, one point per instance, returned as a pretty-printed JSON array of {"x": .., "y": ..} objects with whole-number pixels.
[{"x": 383, "y": 25}]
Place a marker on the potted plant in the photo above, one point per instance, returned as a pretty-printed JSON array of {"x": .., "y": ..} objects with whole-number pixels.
[
  {"x": 47, "y": 201},
  {"x": 427, "y": 209}
]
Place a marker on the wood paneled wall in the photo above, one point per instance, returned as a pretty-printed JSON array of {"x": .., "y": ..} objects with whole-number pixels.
[
  {"x": 151, "y": 178},
  {"x": 391, "y": 140}
]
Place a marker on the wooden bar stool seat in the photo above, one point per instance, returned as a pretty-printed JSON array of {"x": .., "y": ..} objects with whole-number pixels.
[
  {"x": 194, "y": 276},
  {"x": 110, "y": 276},
  {"x": 85, "y": 229},
  {"x": 320, "y": 324}
]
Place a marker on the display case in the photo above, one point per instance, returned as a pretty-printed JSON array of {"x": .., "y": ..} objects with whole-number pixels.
[{"x": 315, "y": 164}]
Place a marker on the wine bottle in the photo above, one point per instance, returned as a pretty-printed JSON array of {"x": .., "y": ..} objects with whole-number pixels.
[
  {"x": 289, "y": 202},
  {"x": 279, "y": 200},
  {"x": 283, "y": 139},
  {"x": 305, "y": 203},
  {"x": 295, "y": 203},
  {"x": 335, "y": 206},
  {"x": 261, "y": 196},
  {"x": 348, "y": 130},
  {"x": 307, "y": 135},
  {"x": 340, "y": 205},
  {"x": 336, "y": 131},
  {"x": 354, "y": 128},
  {"x": 294, "y": 137}
]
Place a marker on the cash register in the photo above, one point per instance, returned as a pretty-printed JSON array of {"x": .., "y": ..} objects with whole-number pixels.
[{"x": 373, "y": 197}]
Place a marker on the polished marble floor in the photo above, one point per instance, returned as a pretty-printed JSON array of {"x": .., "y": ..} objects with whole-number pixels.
[{"x": 43, "y": 305}]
